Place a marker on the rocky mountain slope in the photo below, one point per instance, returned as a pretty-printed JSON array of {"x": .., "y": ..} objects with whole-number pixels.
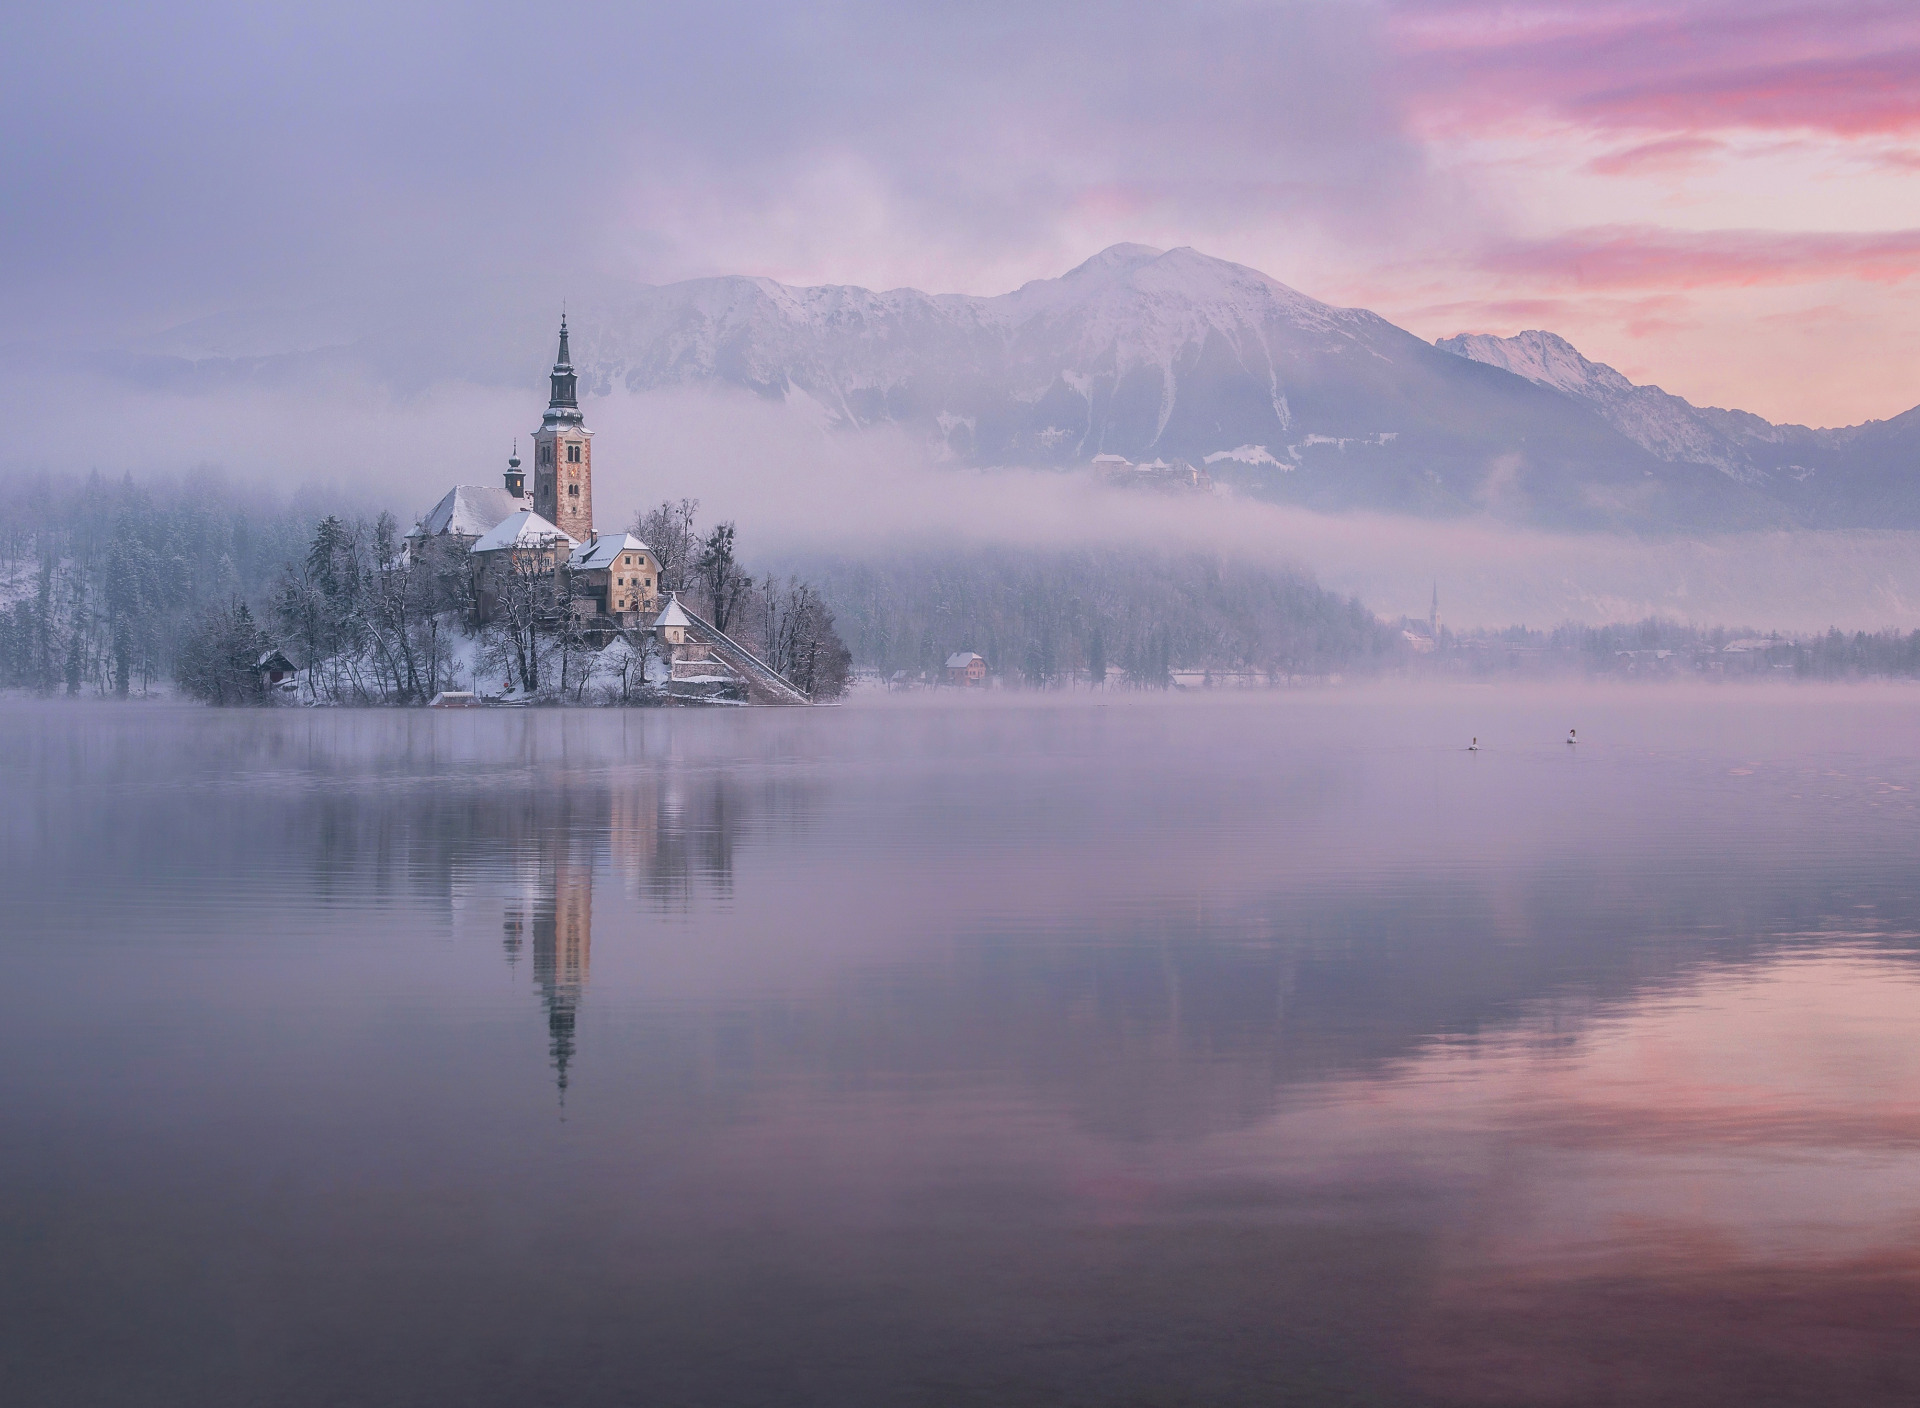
[
  {"x": 1854, "y": 475},
  {"x": 1164, "y": 354},
  {"x": 1149, "y": 353}
]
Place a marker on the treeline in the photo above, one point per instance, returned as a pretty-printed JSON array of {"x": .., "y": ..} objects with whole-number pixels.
[
  {"x": 372, "y": 620},
  {"x": 1043, "y": 617},
  {"x": 101, "y": 581},
  {"x": 1661, "y": 647},
  {"x": 119, "y": 588},
  {"x": 367, "y": 622}
]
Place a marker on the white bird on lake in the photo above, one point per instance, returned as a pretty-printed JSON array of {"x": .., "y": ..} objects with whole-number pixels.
[{"x": 1570, "y": 738}]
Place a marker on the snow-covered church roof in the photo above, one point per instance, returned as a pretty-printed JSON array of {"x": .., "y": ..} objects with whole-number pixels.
[
  {"x": 525, "y": 529},
  {"x": 470, "y": 510},
  {"x": 603, "y": 550}
]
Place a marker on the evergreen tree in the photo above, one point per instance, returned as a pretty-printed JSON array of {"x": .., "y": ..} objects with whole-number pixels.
[{"x": 220, "y": 657}]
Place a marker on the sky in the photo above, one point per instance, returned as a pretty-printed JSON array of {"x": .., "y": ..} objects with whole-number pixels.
[{"x": 1719, "y": 196}]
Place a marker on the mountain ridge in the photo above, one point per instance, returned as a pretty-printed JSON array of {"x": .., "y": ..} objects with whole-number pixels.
[{"x": 1152, "y": 353}]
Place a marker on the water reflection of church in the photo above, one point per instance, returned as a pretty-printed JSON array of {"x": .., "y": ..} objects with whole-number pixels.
[
  {"x": 663, "y": 840},
  {"x": 557, "y": 921}
]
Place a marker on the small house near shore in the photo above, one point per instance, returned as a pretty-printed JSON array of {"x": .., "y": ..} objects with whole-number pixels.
[{"x": 276, "y": 669}]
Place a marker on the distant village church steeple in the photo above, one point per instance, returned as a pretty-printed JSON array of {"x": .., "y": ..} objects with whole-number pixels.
[{"x": 563, "y": 455}]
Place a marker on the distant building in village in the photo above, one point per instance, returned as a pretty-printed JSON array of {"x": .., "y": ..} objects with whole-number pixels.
[
  {"x": 1424, "y": 642},
  {"x": 965, "y": 667},
  {"x": 1119, "y": 472}
]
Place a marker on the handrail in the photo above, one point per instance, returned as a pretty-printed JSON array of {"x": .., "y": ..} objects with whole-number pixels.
[{"x": 758, "y": 663}]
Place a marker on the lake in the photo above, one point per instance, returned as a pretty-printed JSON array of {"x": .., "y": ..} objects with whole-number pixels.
[{"x": 1257, "y": 1049}]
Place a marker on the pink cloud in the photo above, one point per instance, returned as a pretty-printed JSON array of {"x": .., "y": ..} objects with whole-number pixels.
[
  {"x": 1639, "y": 257},
  {"x": 1856, "y": 96},
  {"x": 1850, "y": 68},
  {"x": 1479, "y": 314},
  {"x": 1826, "y": 317},
  {"x": 1649, "y": 316},
  {"x": 1668, "y": 154}
]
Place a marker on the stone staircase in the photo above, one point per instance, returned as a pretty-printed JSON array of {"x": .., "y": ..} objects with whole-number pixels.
[{"x": 765, "y": 685}]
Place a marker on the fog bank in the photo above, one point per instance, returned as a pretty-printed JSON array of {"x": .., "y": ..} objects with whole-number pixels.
[{"x": 796, "y": 488}]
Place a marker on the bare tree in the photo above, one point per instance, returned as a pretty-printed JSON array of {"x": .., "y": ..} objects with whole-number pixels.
[
  {"x": 720, "y": 577},
  {"x": 668, "y": 532},
  {"x": 801, "y": 642},
  {"x": 572, "y": 647},
  {"x": 636, "y": 650},
  {"x": 526, "y": 598}
]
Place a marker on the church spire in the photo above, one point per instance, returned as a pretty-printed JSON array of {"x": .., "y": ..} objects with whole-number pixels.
[{"x": 564, "y": 397}]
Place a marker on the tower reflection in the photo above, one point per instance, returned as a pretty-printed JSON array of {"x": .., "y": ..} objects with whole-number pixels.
[
  {"x": 662, "y": 840},
  {"x": 557, "y": 918}
]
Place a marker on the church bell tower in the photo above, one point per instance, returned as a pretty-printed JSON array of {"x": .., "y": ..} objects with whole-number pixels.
[{"x": 563, "y": 455}]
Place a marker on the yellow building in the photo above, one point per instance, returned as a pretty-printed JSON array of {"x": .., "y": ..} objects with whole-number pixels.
[{"x": 616, "y": 575}]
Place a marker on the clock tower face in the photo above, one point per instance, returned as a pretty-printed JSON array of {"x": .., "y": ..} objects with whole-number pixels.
[{"x": 563, "y": 455}]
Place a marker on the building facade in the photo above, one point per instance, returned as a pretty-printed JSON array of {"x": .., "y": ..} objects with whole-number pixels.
[{"x": 616, "y": 575}]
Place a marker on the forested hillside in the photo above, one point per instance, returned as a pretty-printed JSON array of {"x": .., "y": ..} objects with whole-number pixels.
[
  {"x": 1042, "y": 617},
  {"x": 101, "y": 581}
]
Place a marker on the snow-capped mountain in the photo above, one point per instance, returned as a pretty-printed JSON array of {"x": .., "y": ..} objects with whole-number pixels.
[
  {"x": 1149, "y": 354},
  {"x": 1737, "y": 442},
  {"x": 1859, "y": 475}
]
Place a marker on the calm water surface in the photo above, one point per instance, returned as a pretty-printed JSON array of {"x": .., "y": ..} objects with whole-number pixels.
[{"x": 1169, "y": 1052}]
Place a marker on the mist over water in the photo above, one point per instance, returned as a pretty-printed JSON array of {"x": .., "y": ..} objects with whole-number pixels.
[
  {"x": 1053, "y": 1050},
  {"x": 800, "y": 490}
]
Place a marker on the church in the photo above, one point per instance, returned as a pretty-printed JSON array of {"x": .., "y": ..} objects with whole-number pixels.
[
  {"x": 615, "y": 580},
  {"x": 539, "y": 551}
]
